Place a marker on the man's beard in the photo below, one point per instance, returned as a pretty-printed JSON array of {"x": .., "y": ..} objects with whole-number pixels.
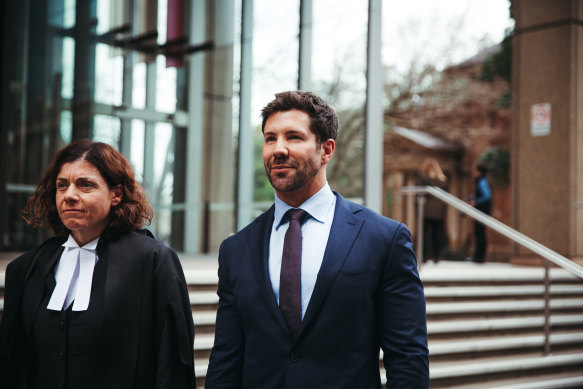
[{"x": 302, "y": 175}]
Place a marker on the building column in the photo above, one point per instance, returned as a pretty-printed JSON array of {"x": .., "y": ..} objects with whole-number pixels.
[
  {"x": 548, "y": 124},
  {"x": 219, "y": 170}
]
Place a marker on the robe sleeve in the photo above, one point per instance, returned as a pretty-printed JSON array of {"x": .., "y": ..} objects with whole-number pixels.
[{"x": 175, "y": 327}]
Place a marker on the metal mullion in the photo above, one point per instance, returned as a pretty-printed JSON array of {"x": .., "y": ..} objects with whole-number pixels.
[
  {"x": 246, "y": 166},
  {"x": 149, "y": 135}
]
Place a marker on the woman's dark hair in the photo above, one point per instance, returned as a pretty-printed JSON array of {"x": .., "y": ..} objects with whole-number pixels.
[
  {"x": 323, "y": 119},
  {"x": 130, "y": 214}
]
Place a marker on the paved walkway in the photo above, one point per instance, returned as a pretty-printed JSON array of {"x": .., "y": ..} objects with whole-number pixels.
[
  {"x": 189, "y": 261},
  {"x": 206, "y": 264}
]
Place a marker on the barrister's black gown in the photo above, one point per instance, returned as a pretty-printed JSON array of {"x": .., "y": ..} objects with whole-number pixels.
[{"x": 140, "y": 333}]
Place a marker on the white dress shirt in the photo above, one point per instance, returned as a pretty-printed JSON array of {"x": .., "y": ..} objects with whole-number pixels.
[{"x": 315, "y": 232}]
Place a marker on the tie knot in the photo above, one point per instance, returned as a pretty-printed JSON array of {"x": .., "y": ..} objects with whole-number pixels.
[{"x": 297, "y": 214}]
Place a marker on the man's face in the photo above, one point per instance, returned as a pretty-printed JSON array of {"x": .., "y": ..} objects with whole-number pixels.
[{"x": 294, "y": 161}]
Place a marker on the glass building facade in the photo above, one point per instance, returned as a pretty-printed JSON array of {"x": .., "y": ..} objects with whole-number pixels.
[{"x": 177, "y": 87}]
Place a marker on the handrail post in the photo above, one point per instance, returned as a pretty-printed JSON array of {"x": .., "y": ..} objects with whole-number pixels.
[
  {"x": 420, "y": 209},
  {"x": 547, "y": 308}
]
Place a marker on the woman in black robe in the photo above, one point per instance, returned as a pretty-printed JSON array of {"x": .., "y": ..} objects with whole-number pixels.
[{"x": 101, "y": 304}]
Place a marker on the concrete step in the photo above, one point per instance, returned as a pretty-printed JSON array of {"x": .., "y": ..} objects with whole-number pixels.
[
  {"x": 203, "y": 299},
  {"x": 458, "y": 327},
  {"x": 545, "y": 381},
  {"x": 204, "y": 343},
  {"x": 480, "y": 370},
  {"x": 502, "y": 343},
  {"x": 503, "y": 291},
  {"x": 507, "y": 306}
]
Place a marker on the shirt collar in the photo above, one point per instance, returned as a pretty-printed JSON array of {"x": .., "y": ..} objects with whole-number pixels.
[
  {"x": 71, "y": 242},
  {"x": 317, "y": 206}
]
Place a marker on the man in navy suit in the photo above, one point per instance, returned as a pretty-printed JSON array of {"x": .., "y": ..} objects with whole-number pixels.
[{"x": 360, "y": 289}]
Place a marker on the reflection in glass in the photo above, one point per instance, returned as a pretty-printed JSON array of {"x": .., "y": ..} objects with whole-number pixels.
[
  {"x": 66, "y": 126},
  {"x": 106, "y": 130},
  {"x": 339, "y": 76},
  {"x": 165, "y": 86},
  {"x": 68, "y": 67},
  {"x": 275, "y": 51},
  {"x": 136, "y": 156},
  {"x": 162, "y": 188},
  {"x": 139, "y": 86},
  {"x": 69, "y": 13},
  {"x": 108, "y": 77}
]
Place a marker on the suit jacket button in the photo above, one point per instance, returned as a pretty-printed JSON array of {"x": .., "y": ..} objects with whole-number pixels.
[
  {"x": 61, "y": 356},
  {"x": 294, "y": 357}
]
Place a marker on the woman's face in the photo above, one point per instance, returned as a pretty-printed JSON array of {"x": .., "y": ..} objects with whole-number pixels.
[{"x": 84, "y": 200}]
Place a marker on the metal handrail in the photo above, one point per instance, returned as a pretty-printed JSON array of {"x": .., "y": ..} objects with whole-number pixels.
[
  {"x": 499, "y": 227},
  {"x": 510, "y": 233}
]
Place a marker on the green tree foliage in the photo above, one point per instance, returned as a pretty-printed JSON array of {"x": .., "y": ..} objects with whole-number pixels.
[
  {"x": 500, "y": 63},
  {"x": 497, "y": 160}
]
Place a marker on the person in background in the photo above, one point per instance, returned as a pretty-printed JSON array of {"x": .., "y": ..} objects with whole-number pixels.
[
  {"x": 101, "y": 304},
  {"x": 482, "y": 201},
  {"x": 315, "y": 287},
  {"x": 431, "y": 174}
]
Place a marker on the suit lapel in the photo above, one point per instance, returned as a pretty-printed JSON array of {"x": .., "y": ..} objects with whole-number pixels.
[
  {"x": 260, "y": 259},
  {"x": 343, "y": 233}
]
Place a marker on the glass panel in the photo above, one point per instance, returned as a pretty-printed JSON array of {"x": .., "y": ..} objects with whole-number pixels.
[
  {"x": 68, "y": 67},
  {"x": 69, "y": 16},
  {"x": 162, "y": 190},
  {"x": 137, "y": 148},
  {"x": 103, "y": 16},
  {"x": 139, "y": 86},
  {"x": 165, "y": 86},
  {"x": 106, "y": 130},
  {"x": 55, "y": 15},
  {"x": 66, "y": 126},
  {"x": 339, "y": 76},
  {"x": 162, "y": 21},
  {"x": 275, "y": 69},
  {"x": 109, "y": 72},
  {"x": 275, "y": 51}
]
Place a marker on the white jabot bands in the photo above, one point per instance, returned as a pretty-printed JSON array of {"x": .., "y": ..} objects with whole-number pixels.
[{"x": 74, "y": 275}]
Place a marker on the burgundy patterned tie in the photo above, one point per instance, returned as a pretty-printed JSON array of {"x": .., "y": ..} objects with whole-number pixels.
[{"x": 290, "y": 286}]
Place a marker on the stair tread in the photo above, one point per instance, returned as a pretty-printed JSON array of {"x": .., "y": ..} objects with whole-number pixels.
[
  {"x": 501, "y": 343},
  {"x": 456, "y": 326},
  {"x": 497, "y": 306},
  {"x": 440, "y": 370},
  {"x": 545, "y": 381},
  {"x": 499, "y": 291}
]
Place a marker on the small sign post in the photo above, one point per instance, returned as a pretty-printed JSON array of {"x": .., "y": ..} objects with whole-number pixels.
[{"x": 540, "y": 119}]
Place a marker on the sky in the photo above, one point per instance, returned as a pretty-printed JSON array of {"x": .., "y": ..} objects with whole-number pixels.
[
  {"x": 438, "y": 32},
  {"x": 444, "y": 30}
]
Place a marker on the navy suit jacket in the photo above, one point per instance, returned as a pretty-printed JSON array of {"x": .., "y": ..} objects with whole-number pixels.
[{"x": 367, "y": 297}]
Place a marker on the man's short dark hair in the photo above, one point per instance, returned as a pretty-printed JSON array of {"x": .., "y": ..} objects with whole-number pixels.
[
  {"x": 482, "y": 168},
  {"x": 323, "y": 118}
]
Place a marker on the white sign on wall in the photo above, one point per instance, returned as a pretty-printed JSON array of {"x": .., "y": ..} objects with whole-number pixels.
[{"x": 540, "y": 119}]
